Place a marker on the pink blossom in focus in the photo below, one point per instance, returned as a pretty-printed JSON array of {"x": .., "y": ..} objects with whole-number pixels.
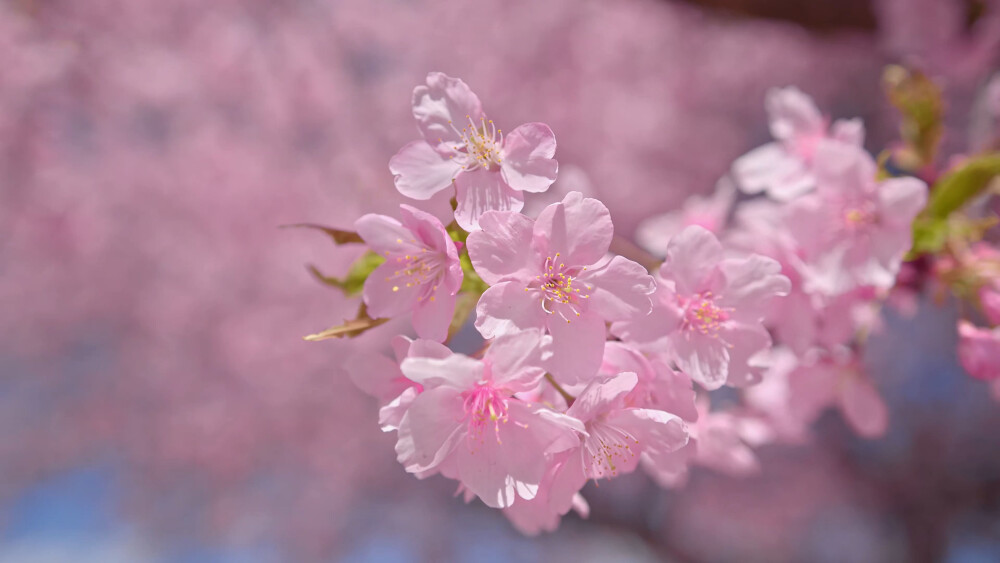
[
  {"x": 552, "y": 273},
  {"x": 979, "y": 350},
  {"x": 468, "y": 425},
  {"x": 708, "y": 310},
  {"x": 854, "y": 230},
  {"x": 461, "y": 146},
  {"x": 711, "y": 212},
  {"x": 784, "y": 168},
  {"x": 421, "y": 273}
]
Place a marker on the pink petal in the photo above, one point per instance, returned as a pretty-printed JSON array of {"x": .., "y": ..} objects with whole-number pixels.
[
  {"x": 420, "y": 172},
  {"x": 648, "y": 329},
  {"x": 384, "y": 234},
  {"x": 506, "y": 308},
  {"x": 692, "y": 260},
  {"x": 900, "y": 199},
  {"x": 376, "y": 375},
  {"x": 480, "y": 191},
  {"x": 428, "y": 230},
  {"x": 578, "y": 228},
  {"x": 432, "y": 316},
  {"x": 770, "y": 167},
  {"x": 423, "y": 349},
  {"x": 655, "y": 430},
  {"x": 704, "y": 358},
  {"x": 386, "y": 295},
  {"x": 456, "y": 371},
  {"x": 979, "y": 351},
  {"x": 430, "y": 429},
  {"x": 527, "y": 158},
  {"x": 751, "y": 284},
  {"x": 577, "y": 347},
  {"x": 850, "y": 131},
  {"x": 621, "y": 290},
  {"x": 843, "y": 169},
  {"x": 863, "y": 407},
  {"x": 601, "y": 395},
  {"x": 516, "y": 359},
  {"x": 443, "y": 102},
  {"x": 744, "y": 341},
  {"x": 500, "y": 249},
  {"x": 793, "y": 114},
  {"x": 483, "y": 473}
]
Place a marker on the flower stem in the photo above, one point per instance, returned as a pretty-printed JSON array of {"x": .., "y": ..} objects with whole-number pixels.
[{"x": 569, "y": 398}]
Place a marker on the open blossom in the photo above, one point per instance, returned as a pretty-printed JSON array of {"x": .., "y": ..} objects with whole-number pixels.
[
  {"x": 659, "y": 386},
  {"x": 711, "y": 212},
  {"x": 784, "y": 168},
  {"x": 802, "y": 319},
  {"x": 617, "y": 435},
  {"x": 708, "y": 310},
  {"x": 979, "y": 350},
  {"x": 468, "y": 425},
  {"x": 552, "y": 273},
  {"x": 838, "y": 380},
  {"x": 462, "y": 146},
  {"x": 421, "y": 274},
  {"x": 721, "y": 440},
  {"x": 854, "y": 230}
]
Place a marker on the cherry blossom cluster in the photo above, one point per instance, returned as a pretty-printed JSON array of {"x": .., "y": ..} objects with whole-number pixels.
[{"x": 594, "y": 363}]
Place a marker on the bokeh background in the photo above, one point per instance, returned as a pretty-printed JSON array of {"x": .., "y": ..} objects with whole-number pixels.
[{"x": 157, "y": 402}]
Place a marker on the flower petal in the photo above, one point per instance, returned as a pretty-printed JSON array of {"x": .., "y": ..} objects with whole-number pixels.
[
  {"x": 386, "y": 295},
  {"x": 456, "y": 371},
  {"x": 420, "y": 172},
  {"x": 655, "y": 430},
  {"x": 692, "y": 260},
  {"x": 432, "y": 316},
  {"x": 578, "y": 228},
  {"x": 506, "y": 308},
  {"x": 443, "y": 102},
  {"x": 601, "y": 395},
  {"x": 863, "y": 407},
  {"x": 479, "y": 191},
  {"x": 516, "y": 359},
  {"x": 500, "y": 249},
  {"x": 577, "y": 346},
  {"x": 430, "y": 429},
  {"x": 384, "y": 234},
  {"x": 621, "y": 290},
  {"x": 527, "y": 158}
]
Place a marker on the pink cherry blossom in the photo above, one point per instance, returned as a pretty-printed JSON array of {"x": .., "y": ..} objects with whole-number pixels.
[
  {"x": 784, "y": 168},
  {"x": 838, "y": 380},
  {"x": 708, "y": 310},
  {"x": 617, "y": 435},
  {"x": 659, "y": 387},
  {"x": 468, "y": 425},
  {"x": 979, "y": 350},
  {"x": 854, "y": 229},
  {"x": 720, "y": 440},
  {"x": 461, "y": 146},
  {"x": 553, "y": 273},
  {"x": 803, "y": 319},
  {"x": 421, "y": 274},
  {"x": 711, "y": 212}
]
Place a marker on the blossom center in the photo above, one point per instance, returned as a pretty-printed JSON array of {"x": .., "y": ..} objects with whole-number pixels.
[
  {"x": 423, "y": 268},
  {"x": 482, "y": 143},
  {"x": 484, "y": 405},
  {"x": 607, "y": 447},
  {"x": 560, "y": 289},
  {"x": 701, "y": 314}
]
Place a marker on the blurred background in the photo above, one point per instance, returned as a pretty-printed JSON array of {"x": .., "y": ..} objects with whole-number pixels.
[{"x": 157, "y": 402}]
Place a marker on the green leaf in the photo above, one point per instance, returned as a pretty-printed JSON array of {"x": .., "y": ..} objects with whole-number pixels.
[
  {"x": 354, "y": 281},
  {"x": 339, "y": 236},
  {"x": 952, "y": 192}
]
